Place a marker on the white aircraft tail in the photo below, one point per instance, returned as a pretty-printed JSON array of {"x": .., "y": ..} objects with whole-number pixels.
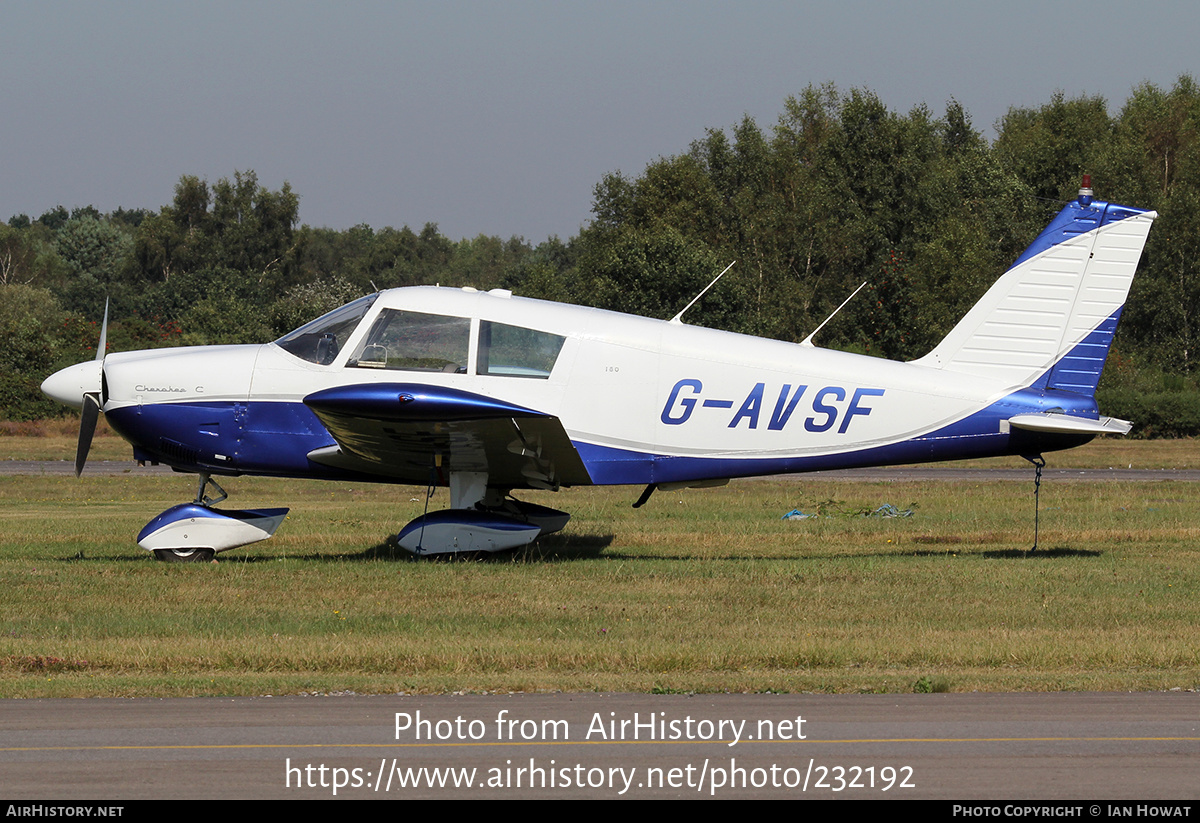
[{"x": 1049, "y": 321}]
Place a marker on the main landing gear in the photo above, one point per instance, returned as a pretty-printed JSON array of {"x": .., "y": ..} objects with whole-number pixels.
[{"x": 480, "y": 519}]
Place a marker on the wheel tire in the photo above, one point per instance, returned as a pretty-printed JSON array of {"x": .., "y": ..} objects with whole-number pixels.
[{"x": 184, "y": 555}]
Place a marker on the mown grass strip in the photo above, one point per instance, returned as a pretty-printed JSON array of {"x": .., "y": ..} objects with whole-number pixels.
[{"x": 702, "y": 590}]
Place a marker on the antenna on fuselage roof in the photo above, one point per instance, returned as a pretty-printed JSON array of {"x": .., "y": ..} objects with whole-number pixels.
[
  {"x": 676, "y": 319},
  {"x": 808, "y": 340}
]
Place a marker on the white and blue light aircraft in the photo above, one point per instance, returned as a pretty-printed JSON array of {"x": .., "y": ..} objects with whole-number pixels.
[{"x": 488, "y": 393}]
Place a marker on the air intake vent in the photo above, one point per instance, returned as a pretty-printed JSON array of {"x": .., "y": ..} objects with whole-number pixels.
[{"x": 177, "y": 452}]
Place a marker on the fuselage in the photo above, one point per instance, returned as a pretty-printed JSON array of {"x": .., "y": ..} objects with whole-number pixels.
[{"x": 642, "y": 400}]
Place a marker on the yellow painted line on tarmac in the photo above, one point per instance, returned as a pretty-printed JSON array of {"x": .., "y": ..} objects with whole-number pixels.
[{"x": 477, "y": 744}]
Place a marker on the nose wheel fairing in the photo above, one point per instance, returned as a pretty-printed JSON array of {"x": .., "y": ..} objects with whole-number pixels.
[{"x": 192, "y": 531}]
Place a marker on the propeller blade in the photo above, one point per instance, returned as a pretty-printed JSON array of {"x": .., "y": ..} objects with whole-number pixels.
[
  {"x": 103, "y": 347},
  {"x": 87, "y": 428}
]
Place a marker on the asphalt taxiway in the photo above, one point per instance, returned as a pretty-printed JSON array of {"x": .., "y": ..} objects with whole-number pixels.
[{"x": 996, "y": 747}]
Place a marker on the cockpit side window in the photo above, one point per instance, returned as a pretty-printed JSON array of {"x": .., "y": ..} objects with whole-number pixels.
[
  {"x": 412, "y": 341},
  {"x": 513, "y": 351},
  {"x": 322, "y": 339}
]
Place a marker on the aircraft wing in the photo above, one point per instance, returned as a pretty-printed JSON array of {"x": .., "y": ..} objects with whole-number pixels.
[{"x": 411, "y": 432}]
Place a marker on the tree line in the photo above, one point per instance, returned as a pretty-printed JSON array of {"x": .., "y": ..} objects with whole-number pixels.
[{"x": 840, "y": 190}]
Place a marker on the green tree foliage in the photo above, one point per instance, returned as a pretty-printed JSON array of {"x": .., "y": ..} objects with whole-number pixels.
[
  {"x": 236, "y": 225},
  {"x": 249, "y": 228},
  {"x": 1052, "y": 146},
  {"x": 36, "y": 340},
  {"x": 28, "y": 256},
  {"x": 644, "y": 272},
  {"x": 1154, "y": 161},
  {"x": 307, "y": 301},
  {"x": 545, "y": 273},
  {"x": 54, "y": 218},
  {"x": 485, "y": 261},
  {"x": 29, "y": 319},
  {"x": 18, "y": 252},
  {"x": 94, "y": 250},
  {"x": 390, "y": 257},
  {"x": 890, "y": 310},
  {"x": 224, "y": 317}
]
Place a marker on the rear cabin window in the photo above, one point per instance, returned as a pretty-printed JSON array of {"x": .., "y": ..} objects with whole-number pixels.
[
  {"x": 411, "y": 341},
  {"x": 513, "y": 351}
]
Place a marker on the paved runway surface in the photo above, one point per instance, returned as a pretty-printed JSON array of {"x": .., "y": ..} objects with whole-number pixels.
[
  {"x": 94, "y": 467},
  {"x": 949, "y": 746}
]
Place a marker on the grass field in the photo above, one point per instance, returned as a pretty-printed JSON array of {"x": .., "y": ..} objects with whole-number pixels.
[{"x": 702, "y": 590}]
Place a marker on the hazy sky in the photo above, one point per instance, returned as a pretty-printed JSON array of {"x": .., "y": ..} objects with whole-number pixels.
[{"x": 500, "y": 117}]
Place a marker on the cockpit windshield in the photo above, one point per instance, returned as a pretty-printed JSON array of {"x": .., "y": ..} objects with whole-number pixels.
[{"x": 322, "y": 339}]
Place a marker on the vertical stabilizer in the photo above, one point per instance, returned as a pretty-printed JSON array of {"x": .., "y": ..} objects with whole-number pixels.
[{"x": 1049, "y": 320}]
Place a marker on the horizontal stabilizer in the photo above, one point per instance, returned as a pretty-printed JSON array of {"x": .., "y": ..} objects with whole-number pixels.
[{"x": 1066, "y": 424}]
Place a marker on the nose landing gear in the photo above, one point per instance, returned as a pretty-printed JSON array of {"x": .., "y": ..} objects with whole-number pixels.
[{"x": 195, "y": 532}]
